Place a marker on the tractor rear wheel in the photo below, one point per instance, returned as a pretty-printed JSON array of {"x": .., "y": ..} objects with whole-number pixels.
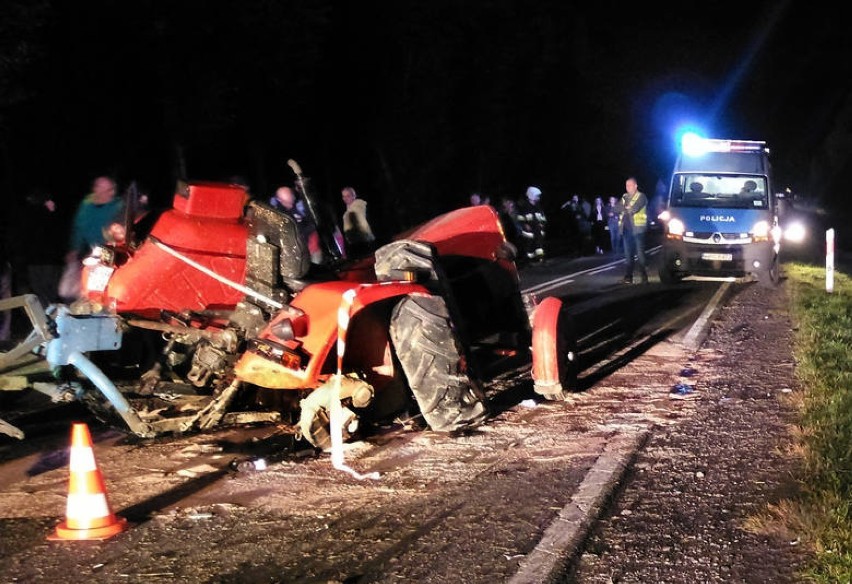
[{"x": 422, "y": 335}]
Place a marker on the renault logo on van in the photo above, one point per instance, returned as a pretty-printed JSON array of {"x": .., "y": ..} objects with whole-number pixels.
[{"x": 718, "y": 218}]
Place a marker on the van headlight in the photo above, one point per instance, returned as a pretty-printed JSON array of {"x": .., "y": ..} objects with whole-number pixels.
[
  {"x": 760, "y": 231},
  {"x": 676, "y": 228}
]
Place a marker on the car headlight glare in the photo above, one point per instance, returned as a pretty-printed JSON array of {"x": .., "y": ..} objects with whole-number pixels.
[{"x": 795, "y": 232}]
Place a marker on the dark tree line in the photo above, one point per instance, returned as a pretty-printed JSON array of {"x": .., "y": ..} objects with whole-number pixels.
[{"x": 416, "y": 104}]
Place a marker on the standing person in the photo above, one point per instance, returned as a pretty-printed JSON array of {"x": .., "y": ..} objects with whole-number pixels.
[
  {"x": 634, "y": 222},
  {"x": 577, "y": 222},
  {"x": 532, "y": 221},
  {"x": 584, "y": 220},
  {"x": 477, "y": 199},
  {"x": 508, "y": 215},
  {"x": 598, "y": 217},
  {"x": 285, "y": 201},
  {"x": 356, "y": 228},
  {"x": 613, "y": 219},
  {"x": 38, "y": 267},
  {"x": 98, "y": 216}
]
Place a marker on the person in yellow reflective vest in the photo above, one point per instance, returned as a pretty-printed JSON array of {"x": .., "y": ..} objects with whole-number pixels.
[{"x": 634, "y": 223}]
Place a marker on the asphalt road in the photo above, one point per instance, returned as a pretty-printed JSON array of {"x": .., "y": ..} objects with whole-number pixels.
[{"x": 503, "y": 503}]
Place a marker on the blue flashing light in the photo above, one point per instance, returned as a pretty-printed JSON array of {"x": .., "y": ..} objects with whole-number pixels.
[{"x": 691, "y": 144}]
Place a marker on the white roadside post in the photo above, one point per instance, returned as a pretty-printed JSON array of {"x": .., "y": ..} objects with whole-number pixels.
[{"x": 829, "y": 260}]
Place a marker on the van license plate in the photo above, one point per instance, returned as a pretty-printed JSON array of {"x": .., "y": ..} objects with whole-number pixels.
[{"x": 717, "y": 257}]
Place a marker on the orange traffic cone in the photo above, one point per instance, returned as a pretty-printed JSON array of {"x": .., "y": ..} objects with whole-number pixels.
[{"x": 87, "y": 513}]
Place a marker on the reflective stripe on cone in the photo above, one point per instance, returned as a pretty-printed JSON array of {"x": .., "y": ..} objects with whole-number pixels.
[{"x": 87, "y": 512}]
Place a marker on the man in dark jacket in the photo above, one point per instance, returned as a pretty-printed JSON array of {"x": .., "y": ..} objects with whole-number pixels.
[
  {"x": 532, "y": 221},
  {"x": 38, "y": 244}
]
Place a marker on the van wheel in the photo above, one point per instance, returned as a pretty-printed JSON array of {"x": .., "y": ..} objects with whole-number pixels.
[{"x": 770, "y": 277}]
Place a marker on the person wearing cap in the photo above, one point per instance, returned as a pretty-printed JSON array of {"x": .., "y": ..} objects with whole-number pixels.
[{"x": 532, "y": 222}]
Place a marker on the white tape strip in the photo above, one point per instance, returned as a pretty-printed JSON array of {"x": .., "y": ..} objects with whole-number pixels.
[{"x": 230, "y": 283}]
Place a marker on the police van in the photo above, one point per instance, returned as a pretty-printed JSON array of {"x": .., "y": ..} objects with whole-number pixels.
[{"x": 721, "y": 219}]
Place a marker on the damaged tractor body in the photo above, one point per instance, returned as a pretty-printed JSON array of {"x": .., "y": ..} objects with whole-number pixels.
[{"x": 218, "y": 317}]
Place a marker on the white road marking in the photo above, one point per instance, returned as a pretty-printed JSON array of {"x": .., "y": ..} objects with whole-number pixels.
[
  {"x": 568, "y": 278},
  {"x": 692, "y": 336}
]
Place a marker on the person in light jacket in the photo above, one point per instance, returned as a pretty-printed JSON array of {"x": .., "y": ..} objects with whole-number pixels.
[{"x": 357, "y": 233}]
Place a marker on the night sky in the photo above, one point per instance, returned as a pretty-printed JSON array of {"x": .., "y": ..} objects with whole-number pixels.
[{"x": 415, "y": 103}]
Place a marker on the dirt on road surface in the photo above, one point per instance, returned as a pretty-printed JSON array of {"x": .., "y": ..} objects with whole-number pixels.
[
  {"x": 711, "y": 428},
  {"x": 689, "y": 509}
]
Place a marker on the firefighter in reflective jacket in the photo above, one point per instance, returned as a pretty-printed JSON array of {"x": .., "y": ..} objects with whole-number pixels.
[
  {"x": 532, "y": 222},
  {"x": 634, "y": 223}
]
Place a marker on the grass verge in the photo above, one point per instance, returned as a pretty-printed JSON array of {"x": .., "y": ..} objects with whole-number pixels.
[{"x": 823, "y": 350}]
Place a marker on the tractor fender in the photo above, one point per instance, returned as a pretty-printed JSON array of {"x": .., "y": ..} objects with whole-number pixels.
[{"x": 554, "y": 367}]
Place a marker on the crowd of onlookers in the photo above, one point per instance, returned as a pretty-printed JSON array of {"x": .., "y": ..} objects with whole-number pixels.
[
  {"x": 581, "y": 226},
  {"x": 617, "y": 225},
  {"x": 43, "y": 244},
  {"x": 356, "y": 239}
]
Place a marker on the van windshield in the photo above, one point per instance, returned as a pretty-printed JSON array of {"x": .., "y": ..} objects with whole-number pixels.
[{"x": 719, "y": 191}]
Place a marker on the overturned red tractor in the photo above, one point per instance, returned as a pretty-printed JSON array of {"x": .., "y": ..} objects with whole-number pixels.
[{"x": 219, "y": 317}]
